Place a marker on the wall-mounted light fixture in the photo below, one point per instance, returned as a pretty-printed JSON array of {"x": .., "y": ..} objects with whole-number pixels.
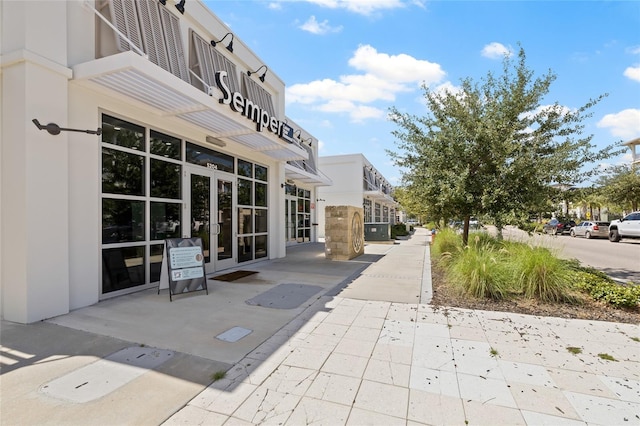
[
  {"x": 54, "y": 129},
  {"x": 163, "y": 2},
  {"x": 229, "y": 46},
  {"x": 180, "y": 6},
  {"x": 320, "y": 199},
  {"x": 299, "y": 132},
  {"x": 308, "y": 141},
  {"x": 263, "y": 74},
  {"x": 216, "y": 141}
]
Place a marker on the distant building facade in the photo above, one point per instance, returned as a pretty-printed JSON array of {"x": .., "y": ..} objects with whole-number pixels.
[{"x": 356, "y": 182}]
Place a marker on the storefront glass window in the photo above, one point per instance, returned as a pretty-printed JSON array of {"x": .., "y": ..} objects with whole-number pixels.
[
  {"x": 122, "y": 133},
  {"x": 261, "y": 221},
  {"x": 122, "y": 172},
  {"x": 209, "y": 158},
  {"x": 122, "y": 221},
  {"x": 165, "y": 221},
  {"x": 261, "y": 246},
  {"x": 166, "y": 179},
  {"x": 245, "y": 168},
  {"x": 261, "y": 194},
  {"x": 245, "y": 248},
  {"x": 244, "y": 192},
  {"x": 245, "y": 220},
  {"x": 122, "y": 268},
  {"x": 366, "y": 204},
  {"x": 261, "y": 173},
  {"x": 155, "y": 261},
  {"x": 165, "y": 145}
]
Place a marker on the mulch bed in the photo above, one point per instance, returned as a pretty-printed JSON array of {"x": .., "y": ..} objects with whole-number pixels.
[{"x": 586, "y": 308}]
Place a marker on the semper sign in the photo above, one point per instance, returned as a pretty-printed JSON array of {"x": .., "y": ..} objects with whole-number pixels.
[{"x": 252, "y": 111}]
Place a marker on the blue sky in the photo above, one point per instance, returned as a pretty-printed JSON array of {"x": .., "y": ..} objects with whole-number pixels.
[{"x": 346, "y": 62}]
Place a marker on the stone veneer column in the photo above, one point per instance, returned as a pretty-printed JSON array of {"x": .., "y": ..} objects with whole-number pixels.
[{"x": 344, "y": 232}]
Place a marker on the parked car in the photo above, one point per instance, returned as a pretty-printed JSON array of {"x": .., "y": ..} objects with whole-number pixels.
[
  {"x": 555, "y": 227},
  {"x": 590, "y": 229},
  {"x": 627, "y": 227}
]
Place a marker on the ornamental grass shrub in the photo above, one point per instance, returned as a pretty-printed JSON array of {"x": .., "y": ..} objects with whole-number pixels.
[
  {"x": 447, "y": 243},
  {"x": 479, "y": 271},
  {"x": 539, "y": 274}
]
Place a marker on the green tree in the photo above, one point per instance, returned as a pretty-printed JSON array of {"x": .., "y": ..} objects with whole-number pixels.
[
  {"x": 620, "y": 185},
  {"x": 492, "y": 148}
]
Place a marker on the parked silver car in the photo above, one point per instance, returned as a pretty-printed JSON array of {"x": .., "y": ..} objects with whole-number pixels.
[{"x": 591, "y": 229}]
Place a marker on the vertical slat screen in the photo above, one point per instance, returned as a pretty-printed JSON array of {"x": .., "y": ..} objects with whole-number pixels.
[
  {"x": 255, "y": 92},
  {"x": 175, "y": 47},
  {"x": 209, "y": 60},
  {"x": 204, "y": 66},
  {"x": 152, "y": 33},
  {"x": 220, "y": 63},
  {"x": 125, "y": 18}
]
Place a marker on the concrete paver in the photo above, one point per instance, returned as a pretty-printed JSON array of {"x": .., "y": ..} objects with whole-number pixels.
[{"x": 346, "y": 358}]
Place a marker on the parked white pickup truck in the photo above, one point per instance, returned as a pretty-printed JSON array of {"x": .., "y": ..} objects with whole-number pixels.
[{"x": 627, "y": 227}]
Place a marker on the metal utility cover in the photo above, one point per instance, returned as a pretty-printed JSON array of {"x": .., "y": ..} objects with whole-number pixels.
[{"x": 234, "y": 334}]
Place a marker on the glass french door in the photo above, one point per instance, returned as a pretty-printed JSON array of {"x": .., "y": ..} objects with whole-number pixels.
[
  {"x": 209, "y": 209},
  {"x": 290, "y": 211}
]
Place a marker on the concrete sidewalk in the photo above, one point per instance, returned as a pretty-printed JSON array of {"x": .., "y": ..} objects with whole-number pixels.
[{"x": 366, "y": 348}]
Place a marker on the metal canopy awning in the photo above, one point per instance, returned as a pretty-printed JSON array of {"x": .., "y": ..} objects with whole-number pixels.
[
  {"x": 380, "y": 196},
  {"x": 130, "y": 76},
  {"x": 303, "y": 176}
]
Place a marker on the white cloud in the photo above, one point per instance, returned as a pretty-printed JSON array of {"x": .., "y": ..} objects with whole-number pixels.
[
  {"x": 398, "y": 68},
  {"x": 633, "y": 73},
  {"x": 634, "y": 50},
  {"x": 496, "y": 50},
  {"x": 362, "y": 7},
  {"x": 274, "y": 6},
  {"x": 624, "y": 124},
  {"x": 315, "y": 27},
  {"x": 383, "y": 77}
]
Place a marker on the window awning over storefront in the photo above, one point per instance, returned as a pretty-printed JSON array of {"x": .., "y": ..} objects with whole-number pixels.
[
  {"x": 303, "y": 176},
  {"x": 380, "y": 197},
  {"x": 130, "y": 76}
]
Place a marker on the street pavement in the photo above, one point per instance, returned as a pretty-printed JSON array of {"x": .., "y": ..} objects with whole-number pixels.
[{"x": 365, "y": 348}]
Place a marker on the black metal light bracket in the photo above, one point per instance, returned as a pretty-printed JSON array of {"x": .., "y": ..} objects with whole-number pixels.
[{"x": 54, "y": 129}]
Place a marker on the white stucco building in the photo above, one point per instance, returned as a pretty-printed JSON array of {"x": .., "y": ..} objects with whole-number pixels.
[
  {"x": 633, "y": 147},
  {"x": 356, "y": 182},
  {"x": 124, "y": 123}
]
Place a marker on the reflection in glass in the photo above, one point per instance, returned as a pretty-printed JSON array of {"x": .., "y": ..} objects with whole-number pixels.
[
  {"x": 122, "y": 221},
  {"x": 165, "y": 221},
  {"x": 122, "y": 133},
  {"x": 261, "y": 221},
  {"x": 261, "y": 173},
  {"x": 261, "y": 246},
  {"x": 245, "y": 168},
  {"x": 122, "y": 268},
  {"x": 165, "y": 145},
  {"x": 206, "y": 157},
  {"x": 155, "y": 261},
  {"x": 245, "y": 248},
  {"x": 122, "y": 173},
  {"x": 225, "y": 219},
  {"x": 261, "y": 194},
  {"x": 244, "y": 192},
  {"x": 165, "y": 179},
  {"x": 201, "y": 211},
  {"x": 245, "y": 220}
]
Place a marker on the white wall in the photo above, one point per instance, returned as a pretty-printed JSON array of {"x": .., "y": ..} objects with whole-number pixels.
[
  {"x": 346, "y": 173},
  {"x": 34, "y": 262}
]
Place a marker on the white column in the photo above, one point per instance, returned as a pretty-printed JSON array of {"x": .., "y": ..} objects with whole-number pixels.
[{"x": 34, "y": 259}]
